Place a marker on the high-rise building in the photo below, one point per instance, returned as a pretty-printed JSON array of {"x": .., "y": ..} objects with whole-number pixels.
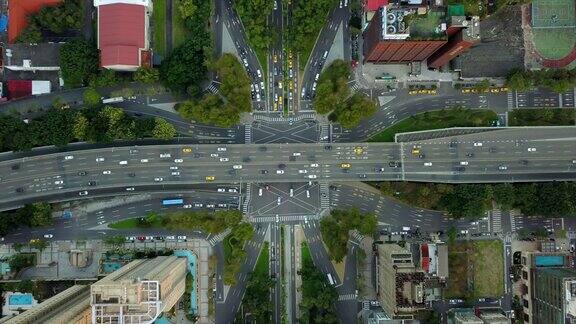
[
  {"x": 136, "y": 293},
  {"x": 554, "y": 296},
  {"x": 400, "y": 283},
  {"x": 139, "y": 291}
]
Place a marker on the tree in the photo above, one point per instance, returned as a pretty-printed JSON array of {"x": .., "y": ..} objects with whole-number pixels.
[
  {"x": 30, "y": 35},
  {"x": 17, "y": 246},
  {"x": 92, "y": 97},
  {"x": 114, "y": 240},
  {"x": 20, "y": 261},
  {"x": 104, "y": 78},
  {"x": 184, "y": 69},
  {"x": 518, "y": 80},
  {"x": 355, "y": 110},
  {"x": 452, "y": 234},
  {"x": 163, "y": 129},
  {"x": 147, "y": 75},
  {"x": 504, "y": 195},
  {"x": 62, "y": 17},
  {"x": 41, "y": 215},
  {"x": 467, "y": 200},
  {"x": 187, "y": 8},
  {"x": 318, "y": 297},
  {"x": 78, "y": 62},
  {"x": 38, "y": 244},
  {"x": 256, "y": 300},
  {"x": 80, "y": 126},
  {"x": 482, "y": 86}
]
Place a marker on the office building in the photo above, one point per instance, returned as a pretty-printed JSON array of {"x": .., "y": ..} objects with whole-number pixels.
[
  {"x": 554, "y": 296},
  {"x": 400, "y": 283}
]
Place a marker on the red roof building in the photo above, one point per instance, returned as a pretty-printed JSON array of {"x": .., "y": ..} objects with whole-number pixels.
[
  {"x": 123, "y": 33},
  {"x": 24, "y": 88},
  {"x": 18, "y": 12},
  {"x": 373, "y": 5}
]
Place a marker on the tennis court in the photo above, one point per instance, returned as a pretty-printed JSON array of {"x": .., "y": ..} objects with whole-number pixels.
[{"x": 554, "y": 27}]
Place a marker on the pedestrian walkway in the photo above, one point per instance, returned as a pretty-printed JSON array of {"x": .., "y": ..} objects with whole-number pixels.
[
  {"x": 365, "y": 305},
  {"x": 290, "y": 218},
  {"x": 510, "y": 96},
  {"x": 248, "y": 134},
  {"x": 324, "y": 196},
  {"x": 357, "y": 236},
  {"x": 277, "y": 119},
  {"x": 212, "y": 88},
  {"x": 246, "y": 203},
  {"x": 325, "y": 133},
  {"x": 346, "y": 297},
  {"x": 496, "y": 221},
  {"x": 515, "y": 220},
  {"x": 219, "y": 237}
]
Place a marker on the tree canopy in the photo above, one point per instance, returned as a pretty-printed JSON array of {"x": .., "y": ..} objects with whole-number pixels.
[
  {"x": 67, "y": 15},
  {"x": 557, "y": 80},
  {"x": 318, "y": 297},
  {"x": 78, "y": 62},
  {"x": 254, "y": 15}
]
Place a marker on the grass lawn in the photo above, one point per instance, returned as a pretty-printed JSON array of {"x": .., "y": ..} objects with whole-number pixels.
[
  {"x": 306, "y": 256},
  {"x": 541, "y": 117},
  {"x": 262, "y": 264},
  {"x": 263, "y": 59},
  {"x": 133, "y": 223},
  {"x": 436, "y": 119},
  {"x": 554, "y": 43},
  {"x": 227, "y": 249},
  {"x": 471, "y": 7},
  {"x": 476, "y": 269},
  {"x": 340, "y": 267},
  {"x": 159, "y": 17},
  {"x": 178, "y": 28}
]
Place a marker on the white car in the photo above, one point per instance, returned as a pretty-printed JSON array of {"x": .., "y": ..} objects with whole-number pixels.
[
  {"x": 307, "y": 193},
  {"x": 173, "y": 168},
  {"x": 314, "y": 165},
  {"x": 427, "y": 163},
  {"x": 48, "y": 236},
  {"x": 237, "y": 167},
  {"x": 123, "y": 162},
  {"x": 221, "y": 149},
  {"x": 232, "y": 190},
  {"x": 221, "y": 190},
  {"x": 464, "y": 163},
  {"x": 214, "y": 155},
  {"x": 83, "y": 193},
  {"x": 296, "y": 154},
  {"x": 68, "y": 157},
  {"x": 531, "y": 149},
  {"x": 477, "y": 144},
  {"x": 130, "y": 189},
  {"x": 187, "y": 206},
  {"x": 178, "y": 160},
  {"x": 144, "y": 161},
  {"x": 158, "y": 179},
  {"x": 165, "y": 155},
  {"x": 503, "y": 167},
  {"x": 100, "y": 159},
  {"x": 279, "y": 171},
  {"x": 260, "y": 192},
  {"x": 181, "y": 237},
  {"x": 312, "y": 176},
  {"x": 198, "y": 205},
  {"x": 302, "y": 171},
  {"x": 224, "y": 159},
  {"x": 57, "y": 182},
  {"x": 170, "y": 237},
  {"x": 106, "y": 172},
  {"x": 291, "y": 192},
  {"x": 259, "y": 73},
  {"x": 175, "y": 173},
  {"x": 279, "y": 200}
]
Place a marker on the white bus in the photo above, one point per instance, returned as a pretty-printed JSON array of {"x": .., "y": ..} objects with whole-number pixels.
[
  {"x": 330, "y": 280},
  {"x": 112, "y": 100}
]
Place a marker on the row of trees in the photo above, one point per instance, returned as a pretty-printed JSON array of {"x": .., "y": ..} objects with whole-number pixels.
[
  {"x": 222, "y": 109},
  {"x": 307, "y": 21},
  {"x": 549, "y": 199},
  {"x": 557, "y": 80},
  {"x": 60, "y": 126},
  {"x": 186, "y": 66},
  {"x": 542, "y": 117},
  {"x": 254, "y": 15},
  {"x": 318, "y": 297},
  {"x": 33, "y": 215},
  {"x": 333, "y": 96},
  {"x": 56, "y": 19},
  {"x": 335, "y": 229}
]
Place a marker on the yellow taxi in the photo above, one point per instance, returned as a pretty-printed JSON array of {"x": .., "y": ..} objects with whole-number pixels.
[
  {"x": 275, "y": 106},
  {"x": 345, "y": 165},
  {"x": 358, "y": 150},
  {"x": 290, "y": 55},
  {"x": 415, "y": 150},
  {"x": 289, "y": 64},
  {"x": 495, "y": 90},
  {"x": 503, "y": 89},
  {"x": 187, "y": 150},
  {"x": 466, "y": 90},
  {"x": 291, "y": 85},
  {"x": 210, "y": 178},
  {"x": 412, "y": 92}
]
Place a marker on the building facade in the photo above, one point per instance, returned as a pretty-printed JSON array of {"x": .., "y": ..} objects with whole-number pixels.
[{"x": 554, "y": 298}]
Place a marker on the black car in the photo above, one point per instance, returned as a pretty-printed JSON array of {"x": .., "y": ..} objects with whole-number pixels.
[
  {"x": 292, "y": 158},
  {"x": 246, "y": 159},
  {"x": 15, "y": 166},
  {"x": 263, "y": 171},
  {"x": 328, "y": 147},
  {"x": 470, "y": 154},
  {"x": 132, "y": 174},
  {"x": 281, "y": 166},
  {"x": 91, "y": 183},
  {"x": 393, "y": 164},
  {"x": 20, "y": 189},
  {"x": 82, "y": 173},
  {"x": 262, "y": 149}
]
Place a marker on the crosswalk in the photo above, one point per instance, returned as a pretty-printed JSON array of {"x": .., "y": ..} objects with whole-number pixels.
[
  {"x": 219, "y": 237},
  {"x": 248, "y": 134},
  {"x": 510, "y": 97},
  {"x": 212, "y": 88},
  {"x": 324, "y": 196},
  {"x": 496, "y": 221},
  {"x": 365, "y": 305},
  {"x": 354, "y": 86},
  {"x": 346, "y": 297},
  {"x": 325, "y": 132},
  {"x": 357, "y": 236},
  {"x": 515, "y": 221},
  {"x": 246, "y": 203},
  {"x": 289, "y": 218}
]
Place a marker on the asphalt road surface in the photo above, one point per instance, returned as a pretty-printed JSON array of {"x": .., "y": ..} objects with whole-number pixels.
[{"x": 522, "y": 154}]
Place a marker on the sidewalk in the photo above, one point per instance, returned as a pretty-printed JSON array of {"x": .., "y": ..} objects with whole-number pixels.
[{"x": 298, "y": 239}]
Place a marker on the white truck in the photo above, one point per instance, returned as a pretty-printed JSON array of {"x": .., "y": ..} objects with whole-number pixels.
[{"x": 112, "y": 100}]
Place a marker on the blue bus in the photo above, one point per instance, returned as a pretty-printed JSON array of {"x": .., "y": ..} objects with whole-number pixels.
[{"x": 172, "y": 202}]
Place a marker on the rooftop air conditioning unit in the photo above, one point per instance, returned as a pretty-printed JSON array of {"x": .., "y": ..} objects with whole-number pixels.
[
  {"x": 390, "y": 29},
  {"x": 391, "y": 18}
]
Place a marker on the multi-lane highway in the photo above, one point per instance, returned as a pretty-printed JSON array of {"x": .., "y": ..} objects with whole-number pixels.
[{"x": 515, "y": 154}]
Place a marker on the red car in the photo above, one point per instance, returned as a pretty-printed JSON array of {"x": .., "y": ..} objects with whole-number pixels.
[{"x": 142, "y": 238}]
